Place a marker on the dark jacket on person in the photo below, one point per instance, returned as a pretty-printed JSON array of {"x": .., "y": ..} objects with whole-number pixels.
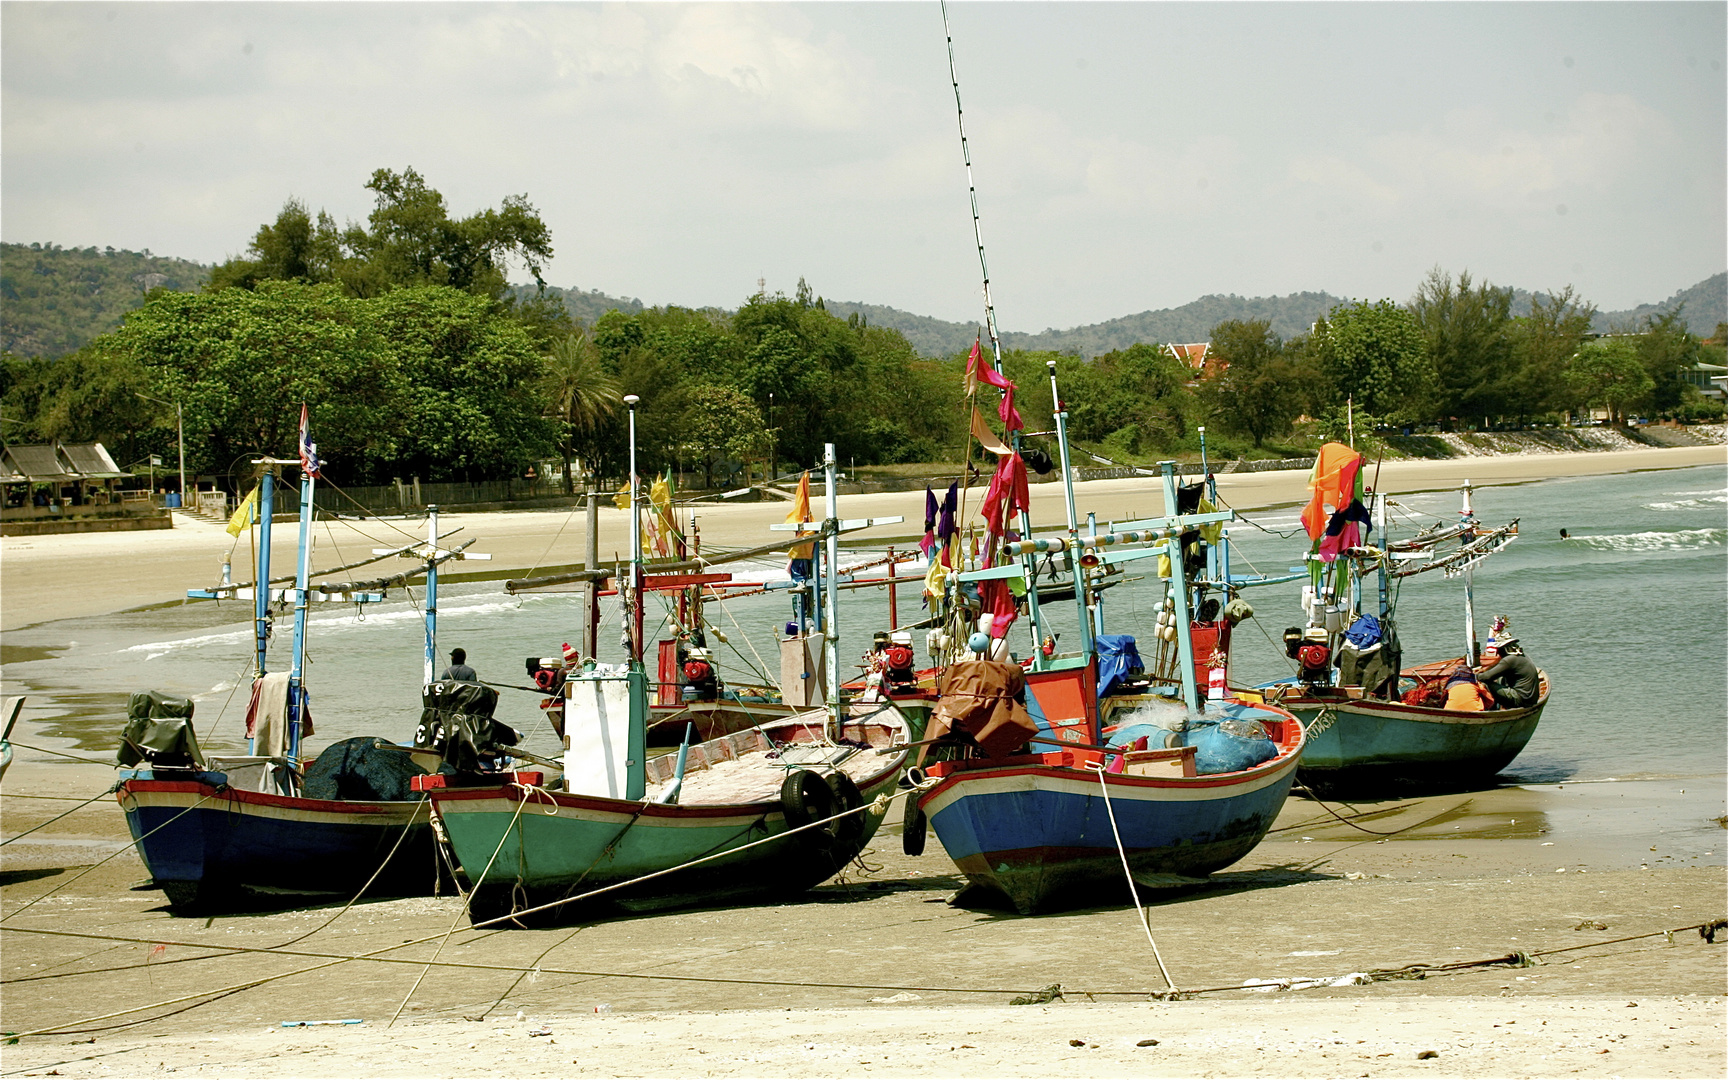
[
  {"x": 1514, "y": 680},
  {"x": 459, "y": 673}
]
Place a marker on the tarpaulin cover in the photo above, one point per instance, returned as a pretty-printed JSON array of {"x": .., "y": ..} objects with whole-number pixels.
[
  {"x": 1117, "y": 657},
  {"x": 159, "y": 730},
  {"x": 457, "y": 722},
  {"x": 364, "y": 769}
]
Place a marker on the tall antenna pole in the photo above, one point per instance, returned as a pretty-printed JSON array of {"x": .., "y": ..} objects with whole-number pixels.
[{"x": 635, "y": 543}]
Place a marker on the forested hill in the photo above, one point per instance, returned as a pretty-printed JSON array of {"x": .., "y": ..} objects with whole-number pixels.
[
  {"x": 1289, "y": 316},
  {"x": 1706, "y": 305},
  {"x": 55, "y": 300}
]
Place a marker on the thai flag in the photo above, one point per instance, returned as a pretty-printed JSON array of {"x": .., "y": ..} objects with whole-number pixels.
[{"x": 309, "y": 462}]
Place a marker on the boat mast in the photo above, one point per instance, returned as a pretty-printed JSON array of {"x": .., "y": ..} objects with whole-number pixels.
[
  {"x": 261, "y": 576},
  {"x": 431, "y": 593},
  {"x": 1179, "y": 589},
  {"x": 296, "y": 673},
  {"x": 830, "y": 609},
  {"x": 1467, "y": 517},
  {"x": 1035, "y": 622},
  {"x": 635, "y": 625},
  {"x": 1073, "y": 520}
]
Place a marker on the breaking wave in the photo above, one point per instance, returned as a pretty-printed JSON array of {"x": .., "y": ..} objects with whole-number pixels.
[
  {"x": 1683, "y": 540},
  {"x": 1709, "y": 498}
]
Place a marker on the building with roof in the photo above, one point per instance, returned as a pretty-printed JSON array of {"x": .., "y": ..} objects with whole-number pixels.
[{"x": 65, "y": 487}]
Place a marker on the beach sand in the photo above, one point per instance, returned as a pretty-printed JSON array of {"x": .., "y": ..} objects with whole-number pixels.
[{"x": 875, "y": 973}]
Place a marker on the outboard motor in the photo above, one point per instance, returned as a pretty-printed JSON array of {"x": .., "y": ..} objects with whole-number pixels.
[
  {"x": 899, "y": 661},
  {"x": 1315, "y": 656},
  {"x": 701, "y": 682}
]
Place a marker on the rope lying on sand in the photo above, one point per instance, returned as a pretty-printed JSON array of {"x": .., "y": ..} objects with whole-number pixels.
[{"x": 1706, "y": 930}]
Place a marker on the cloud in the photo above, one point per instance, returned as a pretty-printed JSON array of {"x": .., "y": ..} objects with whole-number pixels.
[{"x": 1472, "y": 156}]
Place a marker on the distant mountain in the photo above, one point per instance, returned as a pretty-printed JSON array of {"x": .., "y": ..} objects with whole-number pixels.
[
  {"x": 1706, "y": 305},
  {"x": 584, "y": 307},
  {"x": 54, "y": 300}
]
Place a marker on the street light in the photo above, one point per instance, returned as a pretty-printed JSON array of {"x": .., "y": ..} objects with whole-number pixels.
[{"x": 179, "y": 437}]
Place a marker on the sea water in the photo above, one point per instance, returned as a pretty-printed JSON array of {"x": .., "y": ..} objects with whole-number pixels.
[{"x": 1628, "y": 618}]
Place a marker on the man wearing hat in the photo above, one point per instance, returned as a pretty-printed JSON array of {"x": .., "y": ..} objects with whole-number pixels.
[
  {"x": 1513, "y": 679},
  {"x": 459, "y": 671}
]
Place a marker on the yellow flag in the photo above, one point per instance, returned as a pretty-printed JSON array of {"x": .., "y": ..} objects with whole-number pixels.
[
  {"x": 800, "y": 512},
  {"x": 661, "y": 521},
  {"x": 622, "y": 499},
  {"x": 244, "y": 514}
]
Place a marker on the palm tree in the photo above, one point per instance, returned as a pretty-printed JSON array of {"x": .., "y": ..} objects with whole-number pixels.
[{"x": 581, "y": 392}]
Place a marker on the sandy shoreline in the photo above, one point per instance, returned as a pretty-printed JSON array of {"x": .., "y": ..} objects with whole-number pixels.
[
  {"x": 59, "y": 577},
  {"x": 876, "y": 975}
]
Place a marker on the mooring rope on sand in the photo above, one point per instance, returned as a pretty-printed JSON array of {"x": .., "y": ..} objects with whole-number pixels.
[{"x": 1706, "y": 930}]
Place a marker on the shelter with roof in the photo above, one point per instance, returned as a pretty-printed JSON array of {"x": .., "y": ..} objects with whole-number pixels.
[{"x": 59, "y": 479}]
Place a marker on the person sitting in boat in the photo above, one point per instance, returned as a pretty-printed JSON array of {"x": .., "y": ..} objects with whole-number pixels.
[
  {"x": 1513, "y": 679},
  {"x": 459, "y": 671},
  {"x": 1464, "y": 693}
]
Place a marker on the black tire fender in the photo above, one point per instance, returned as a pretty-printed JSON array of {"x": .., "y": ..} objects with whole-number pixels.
[
  {"x": 805, "y": 798},
  {"x": 915, "y": 829},
  {"x": 849, "y": 830}
]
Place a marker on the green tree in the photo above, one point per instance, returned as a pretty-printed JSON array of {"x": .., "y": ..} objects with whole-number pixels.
[
  {"x": 721, "y": 423},
  {"x": 1607, "y": 373},
  {"x": 1374, "y": 355},
  {"x": 240, "y": 363},
  {"x": 1666, "y": 348},
  {"x": 475, "y": 403},
  {"x": 1134, "y": 400},
  {"x": 581, "y": 394},
  {"x": 1546, "y": 340},
  {"x": 294, "y": 248},
  {"x": 409, "y": 240},
  {"x": 1255, "y": 390},
  {"x": 1468, "y": 330}
]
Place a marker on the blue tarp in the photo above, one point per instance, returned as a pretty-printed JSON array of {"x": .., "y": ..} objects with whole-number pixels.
[{"x": 1117, "y": 655}]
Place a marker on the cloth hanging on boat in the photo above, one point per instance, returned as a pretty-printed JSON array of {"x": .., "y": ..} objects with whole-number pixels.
[
  {"x": 928, "y": 543},
  {"x": 1333, "y": 482},
  {"x": 799, "y": 514},
  {"x": 1118, "y": 658},
  {"x": 986, "y": 700},
  {"x": 362, "y": 769},
  {"x": 1008, "y": 492},
  {"x": 987, "y": 438},
  {"x": 267, "y": 715},
  {"x": 978, "y": 371},
  {"x": 946, "y": 528},
  {"x": 244, "y": 514},
  {"x": 456, "y": 721},
  {"x": 1344, "y": 530},
  {"x": 660, "y": 520}
]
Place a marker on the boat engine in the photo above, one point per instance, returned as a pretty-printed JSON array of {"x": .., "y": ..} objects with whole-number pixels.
[
  {"x": 899, "y": 661},
  {"x": 701, "y": 682}
]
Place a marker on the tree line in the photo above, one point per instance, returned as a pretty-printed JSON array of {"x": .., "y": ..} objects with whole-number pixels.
[{"x": 417, "y": 358}]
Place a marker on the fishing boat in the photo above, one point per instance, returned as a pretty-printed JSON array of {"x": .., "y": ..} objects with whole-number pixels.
[
  {"x": 755, "y": 815},
  {"x": 1374, "y": 726},
  {"x": 1065, "y": 776},
  {"x": 217, "y": 833},
  {"x": 1137, "y": 777}
]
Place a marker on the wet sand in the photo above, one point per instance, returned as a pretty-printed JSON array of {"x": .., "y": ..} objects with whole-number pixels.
[
  {"x": 61, "y": 577},
  {"x": 876, "y": 974}
]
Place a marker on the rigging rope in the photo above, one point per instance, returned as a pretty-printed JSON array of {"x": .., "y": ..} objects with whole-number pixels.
[{"x": 1133, "y": 890}]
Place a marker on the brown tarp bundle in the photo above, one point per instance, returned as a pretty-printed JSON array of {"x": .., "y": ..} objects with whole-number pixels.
[{"x": 986, "y": 700}]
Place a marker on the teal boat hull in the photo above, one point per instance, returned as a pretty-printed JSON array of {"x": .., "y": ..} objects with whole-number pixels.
[{"x": 1361, "y": 748}]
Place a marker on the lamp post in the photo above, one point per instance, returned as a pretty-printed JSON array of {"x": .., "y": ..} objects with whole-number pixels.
[{"x": 179, "y": 437}]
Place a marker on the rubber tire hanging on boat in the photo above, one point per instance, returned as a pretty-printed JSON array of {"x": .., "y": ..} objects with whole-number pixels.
[
  {"x": 916, "y": 828},
  {"x": 808, "y": 797}
]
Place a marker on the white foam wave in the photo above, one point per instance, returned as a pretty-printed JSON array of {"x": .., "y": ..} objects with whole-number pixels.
[
  {"x": 1710, "y": 499},
  {"x": 1683, "y": 540},
  {"x": 153, "y": 649}
]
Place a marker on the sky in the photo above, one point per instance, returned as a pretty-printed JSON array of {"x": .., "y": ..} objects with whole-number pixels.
[{"x": 1126, "y": 156}]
